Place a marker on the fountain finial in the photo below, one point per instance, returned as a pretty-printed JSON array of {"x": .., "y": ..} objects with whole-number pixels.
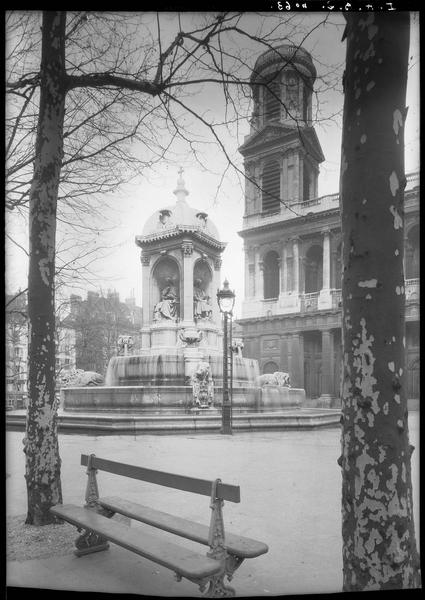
[{"x": 180, "y": 190}]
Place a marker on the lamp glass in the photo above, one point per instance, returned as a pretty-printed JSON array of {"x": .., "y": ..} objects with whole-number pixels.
[{"x": 226, "y": 304}]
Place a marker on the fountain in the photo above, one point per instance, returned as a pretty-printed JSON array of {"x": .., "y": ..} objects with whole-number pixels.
[{"x": 181, "y": 332}]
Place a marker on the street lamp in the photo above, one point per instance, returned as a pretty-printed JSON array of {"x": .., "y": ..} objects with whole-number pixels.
[{"x": 226, "y": 301}]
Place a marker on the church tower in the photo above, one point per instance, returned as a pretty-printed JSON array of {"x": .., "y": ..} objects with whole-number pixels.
[
  {"x": 281, "y": 157},
  {"x": 282, "y": 152}
]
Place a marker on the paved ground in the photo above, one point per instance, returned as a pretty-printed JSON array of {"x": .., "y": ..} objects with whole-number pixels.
[{"x": 290, "y": 499}]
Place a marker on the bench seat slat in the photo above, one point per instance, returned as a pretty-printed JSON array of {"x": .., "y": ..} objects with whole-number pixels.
[
  {"x": 240, "y": 546},
  {"x": 180, "y": 482},
  {"x": 181, "y": 560}
]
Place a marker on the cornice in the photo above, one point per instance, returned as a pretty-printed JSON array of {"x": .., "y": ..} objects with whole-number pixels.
[
  {"x": 153, "y": 238},
  {"x": 295, "y": 220}
]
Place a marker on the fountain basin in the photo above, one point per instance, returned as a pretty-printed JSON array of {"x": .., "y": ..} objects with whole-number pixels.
[{"x": 174, "y": 399}]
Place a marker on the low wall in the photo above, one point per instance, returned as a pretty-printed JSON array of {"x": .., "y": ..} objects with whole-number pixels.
[{"x": 277, "y": 397}]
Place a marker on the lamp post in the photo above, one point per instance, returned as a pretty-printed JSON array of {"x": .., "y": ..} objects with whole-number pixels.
[{"x": 226, "y": 301}]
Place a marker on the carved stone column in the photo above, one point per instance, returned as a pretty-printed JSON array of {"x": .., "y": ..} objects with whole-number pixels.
[
  {"x": 146, "y": 304},
  {"x": 186, "y": 311},
  {"x": 217, "y": 286}
]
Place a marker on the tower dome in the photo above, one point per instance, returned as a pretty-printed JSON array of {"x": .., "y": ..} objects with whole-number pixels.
[
  {"x": 284, "y": 56},
  {"x": 282, "y": 84}
]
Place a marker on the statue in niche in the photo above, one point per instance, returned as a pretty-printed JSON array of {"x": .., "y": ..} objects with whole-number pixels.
[
  {"x": 167, "y": 307},
  {"x": 202, "y": 308}
]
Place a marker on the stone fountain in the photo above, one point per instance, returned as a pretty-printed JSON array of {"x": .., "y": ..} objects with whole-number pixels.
[{"x": 177, "y": 364}]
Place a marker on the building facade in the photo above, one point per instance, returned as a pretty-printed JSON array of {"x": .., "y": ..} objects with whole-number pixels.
[
  {"x": 291, "y": 314},
  {"x": 97, "y": 323},
  {"x": 17, "y": 350}
]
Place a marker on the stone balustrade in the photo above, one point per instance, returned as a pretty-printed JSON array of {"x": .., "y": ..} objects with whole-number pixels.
[{"x": 313, "y": 205}]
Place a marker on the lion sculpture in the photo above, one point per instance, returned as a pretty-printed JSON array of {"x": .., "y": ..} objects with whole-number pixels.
[
  {"x": 278, "y": 378},
  {"x": 80, "y": 378}
]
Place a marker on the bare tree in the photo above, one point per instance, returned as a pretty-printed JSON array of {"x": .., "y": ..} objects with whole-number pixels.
[
  {"x": 379, "y": 546},
  {"x": 105, "y": 82}
]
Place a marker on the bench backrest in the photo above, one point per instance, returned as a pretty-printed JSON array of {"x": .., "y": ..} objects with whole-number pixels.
[{"x": 180, "y": 482}]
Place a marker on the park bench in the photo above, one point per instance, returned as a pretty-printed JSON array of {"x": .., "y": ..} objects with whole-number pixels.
[{"x": 226, "y": 551}]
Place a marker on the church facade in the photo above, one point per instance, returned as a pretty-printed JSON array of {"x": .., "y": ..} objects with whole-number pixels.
[{"x": 291, "y": 313}]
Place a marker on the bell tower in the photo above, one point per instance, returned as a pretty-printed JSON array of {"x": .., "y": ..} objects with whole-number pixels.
[{"x": 282, "y": 152}]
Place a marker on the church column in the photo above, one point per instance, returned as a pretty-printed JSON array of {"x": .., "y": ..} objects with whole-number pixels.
[
  {"x": 259, "y": 283},
  {"x": 301, "y": 178},
  {"x": 284, "y": 353},
  {"x": 325, "y": 298},
  {"x": 290, "y": 298},
  {"x": 296, "y": 360},
  {"x": 296, "y": 182},
  {"x": 251, "y": 281},
  {"x": 247, "y": 293},
  {"x": 280, "y": 265},
  {"x": 289, "y": 267},
  {"x": 186, "y": 311},
  {"x": 283, "y": 268},
  {"x": 327, "y": 367},
  {"x": 296, "y": 265},
  {"x": 326, "y": 260},
  {"x": 334, "y": 269}
]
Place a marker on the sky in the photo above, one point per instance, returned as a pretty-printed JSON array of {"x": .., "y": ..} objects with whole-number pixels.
[{"x": 223, "y": 200}]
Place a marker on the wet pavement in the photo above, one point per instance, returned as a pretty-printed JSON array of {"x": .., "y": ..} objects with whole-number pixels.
[{"x": 290, "y": 499}]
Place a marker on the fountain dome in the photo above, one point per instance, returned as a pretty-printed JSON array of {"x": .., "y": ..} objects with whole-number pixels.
[{"x": 179, "y": 218}]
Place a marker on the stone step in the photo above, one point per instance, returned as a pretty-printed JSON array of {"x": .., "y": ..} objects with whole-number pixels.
[{"x": 200, "y": 423}]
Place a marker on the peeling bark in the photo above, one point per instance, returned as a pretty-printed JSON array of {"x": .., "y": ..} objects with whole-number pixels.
[
  {"x": 42, "y": 469},
  {"x": 379, "y": 546}
]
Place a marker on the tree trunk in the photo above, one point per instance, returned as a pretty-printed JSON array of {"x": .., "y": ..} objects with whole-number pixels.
[
  {"x": 41, "y": 447},
  {"x": 379, "y": 546}
]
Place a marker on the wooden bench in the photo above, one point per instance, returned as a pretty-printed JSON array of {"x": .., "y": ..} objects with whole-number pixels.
[{"x": 226, "y": 551}]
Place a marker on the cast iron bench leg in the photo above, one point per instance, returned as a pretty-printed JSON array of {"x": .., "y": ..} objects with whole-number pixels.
[{"x": 89, "y": 542}]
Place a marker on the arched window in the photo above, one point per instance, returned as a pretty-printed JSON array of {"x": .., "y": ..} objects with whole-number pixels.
[
  {"x": 270, "y": 185},
  {"x": 412, "y": 253},
  {"x": 313, "y": 269},
  {"x": 271, "y": 275},
  {"x": 292, "y": 99},
  {"x": 272, "y": 102},
  {"x": 270, "y": 367}
]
